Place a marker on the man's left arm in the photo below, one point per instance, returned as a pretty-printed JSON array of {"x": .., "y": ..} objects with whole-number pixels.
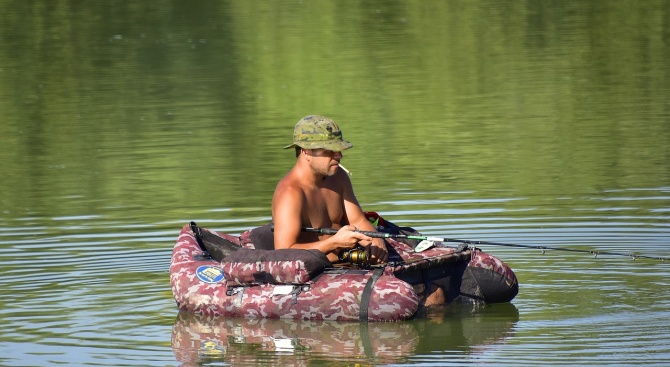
[{"x": 356, "y": 218}]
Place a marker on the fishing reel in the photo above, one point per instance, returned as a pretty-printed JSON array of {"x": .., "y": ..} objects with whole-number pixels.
[{"x": 357, "y": 256}]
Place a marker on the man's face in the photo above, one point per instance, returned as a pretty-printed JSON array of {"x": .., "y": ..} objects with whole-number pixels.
[{"x": 325, "y": 162}]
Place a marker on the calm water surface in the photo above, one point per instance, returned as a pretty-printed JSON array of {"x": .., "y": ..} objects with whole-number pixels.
[{"x": 526, "y": 122}]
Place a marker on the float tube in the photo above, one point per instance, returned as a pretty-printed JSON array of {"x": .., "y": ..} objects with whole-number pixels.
[{"x": 221, "y": 274}]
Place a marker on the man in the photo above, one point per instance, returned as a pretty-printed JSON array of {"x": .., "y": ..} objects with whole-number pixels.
[{"x": 318, "y": 193}]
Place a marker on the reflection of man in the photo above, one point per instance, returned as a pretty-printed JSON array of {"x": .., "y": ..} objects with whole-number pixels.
[{"x": 318, "y": 193}]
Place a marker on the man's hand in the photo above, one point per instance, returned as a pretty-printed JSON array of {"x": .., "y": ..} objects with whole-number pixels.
[
  {"x": 378, "y": 252},
  {"x": 347, "y": 238},
  {"x": 376, "y": 248}
]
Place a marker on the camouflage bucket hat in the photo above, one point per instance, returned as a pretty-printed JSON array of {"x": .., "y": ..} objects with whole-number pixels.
[{"x": 314, "y": 132}]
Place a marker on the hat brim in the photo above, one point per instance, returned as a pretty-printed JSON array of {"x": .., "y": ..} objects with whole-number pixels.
[{"x": 335, "y": 146}]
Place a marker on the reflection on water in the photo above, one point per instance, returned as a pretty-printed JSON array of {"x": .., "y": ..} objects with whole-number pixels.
[
  {"x": 539, "y": 123},
  {"x": 102, "y": 282},
  {"x": 205, "y": 339},
  {"x": 167, "y": 105}
]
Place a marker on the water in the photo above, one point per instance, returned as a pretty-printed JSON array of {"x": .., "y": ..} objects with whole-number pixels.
[{"x": 524, "y": 123}]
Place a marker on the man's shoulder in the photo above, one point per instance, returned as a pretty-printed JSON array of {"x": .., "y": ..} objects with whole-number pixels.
[{"x": 288, "y": 185}]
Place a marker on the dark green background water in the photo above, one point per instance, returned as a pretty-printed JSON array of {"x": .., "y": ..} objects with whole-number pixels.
[{"x": 531, "y": 122}]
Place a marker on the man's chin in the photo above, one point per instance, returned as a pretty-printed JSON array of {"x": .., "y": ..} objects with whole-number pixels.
[{"x": 334, "y": 171}]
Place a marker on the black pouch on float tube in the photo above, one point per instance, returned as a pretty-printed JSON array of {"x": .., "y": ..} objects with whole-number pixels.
[
  {"x": 262, "y": 237},
  {"x": 216, "y": 246}
]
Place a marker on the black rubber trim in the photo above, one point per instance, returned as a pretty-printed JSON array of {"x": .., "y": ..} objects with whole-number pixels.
[{"x": 367, "y": 292}]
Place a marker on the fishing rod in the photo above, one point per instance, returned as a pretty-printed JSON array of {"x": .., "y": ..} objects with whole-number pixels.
[{"x": 332, "y": 231}]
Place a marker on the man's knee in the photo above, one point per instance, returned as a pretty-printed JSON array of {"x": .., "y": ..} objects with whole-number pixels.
[{"x": 433, "y": 296}]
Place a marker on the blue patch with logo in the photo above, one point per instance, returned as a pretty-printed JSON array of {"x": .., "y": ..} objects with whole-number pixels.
[
  {"x": 209, "y": 274},
  {"x": 211, "y": 348}
]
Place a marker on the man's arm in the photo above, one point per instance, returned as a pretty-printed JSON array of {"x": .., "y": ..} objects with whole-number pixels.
[
  {"x": 356, "y": 218},
  {"x": 287, "y": 205}
]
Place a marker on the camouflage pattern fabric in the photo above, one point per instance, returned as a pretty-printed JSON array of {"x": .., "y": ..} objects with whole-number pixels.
[
  {"x": 287, "y": 266},
  {"x": 331, "y": 296},
  {"x": 313, "y": 132},
  {"x": 486, "y": 277},
  {"x": 198, "y": 339},
  {"x": 439, "y": 255},
  {"x": 489, "y": 262},
  {"x": 204, "y": 286}
]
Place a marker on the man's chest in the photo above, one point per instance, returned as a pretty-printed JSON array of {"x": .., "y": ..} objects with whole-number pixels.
[{"x": 325, "y": 206}]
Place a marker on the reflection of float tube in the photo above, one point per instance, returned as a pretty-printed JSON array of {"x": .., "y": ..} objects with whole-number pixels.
[
  {"x": 465, "y": 325},
  {"x": 198, "y": 338},
  {"x": 238, "y": 339}
]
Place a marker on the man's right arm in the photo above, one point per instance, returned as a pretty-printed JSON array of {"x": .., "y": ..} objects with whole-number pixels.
[{"x": 287, "y": 205}]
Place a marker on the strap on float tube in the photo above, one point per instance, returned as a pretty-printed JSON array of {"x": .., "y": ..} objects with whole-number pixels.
[
  {"x": 332, "y": 231},
  {"x": 367, "y": 293},
  {"x": 197, "y": 233}
]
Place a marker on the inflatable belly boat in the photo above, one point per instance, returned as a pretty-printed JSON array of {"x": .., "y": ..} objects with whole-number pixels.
[{"x": 250, "y": 282}]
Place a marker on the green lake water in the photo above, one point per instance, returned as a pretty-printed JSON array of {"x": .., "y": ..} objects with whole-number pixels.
[{"x": 524, "y": 122}]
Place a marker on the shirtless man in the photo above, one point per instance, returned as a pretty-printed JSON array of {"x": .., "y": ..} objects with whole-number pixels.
[{"x": 318, "y": 193}]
